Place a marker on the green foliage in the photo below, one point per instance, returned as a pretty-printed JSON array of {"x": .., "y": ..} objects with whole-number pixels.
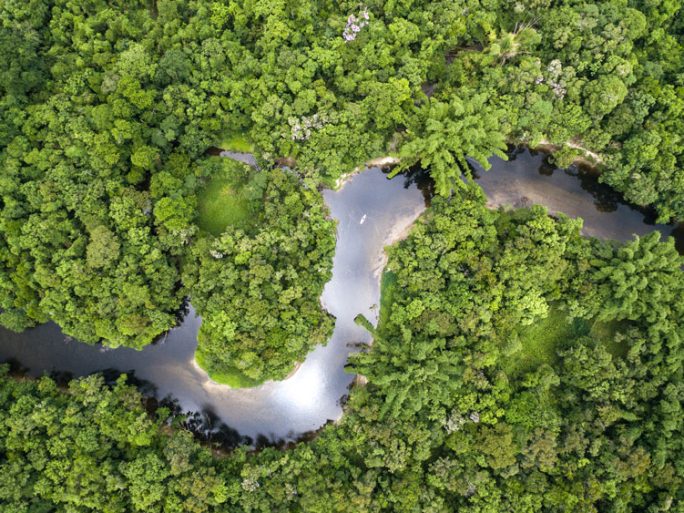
[
  {"x": 106, "y": 112},
  {"x": 497, "y": 344},
  {"x": 624, "y": 273},
  {"x": 473, "y": 261},
  {"x": 444, "y": 423},
  {"x": 108, "y": 109},
  {"x": 94, "y": 448},
  {"x": 606, "y": 332},
  {"x": 227, "y": 375},
  {"x": 257, "y": 288},
  {"x": 539, "y": 342},
  {"x": 452, "y": 132},
  {"x": 236, "y": 142},
  {"x": 387, "y": 289}
]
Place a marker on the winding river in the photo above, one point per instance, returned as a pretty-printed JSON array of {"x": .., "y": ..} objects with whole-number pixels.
[{"x": 371, "y": 213}]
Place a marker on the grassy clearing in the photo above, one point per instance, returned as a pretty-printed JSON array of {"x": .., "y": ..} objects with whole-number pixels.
[
  {"x": 233, "y": 378},
  {"x": 236, "y": 142},
  {"x": 221, "y": 204},
  {"x": 540, "y": 342},
  {"x": 226, "y": 199},
  {"x": 387, "y": 289}
]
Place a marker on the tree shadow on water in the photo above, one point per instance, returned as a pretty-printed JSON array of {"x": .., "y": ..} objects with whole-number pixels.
[
  {"x": 421, "y": 179},
  {"x": 289, "y": 441},
  {"x": 16, "y": 369},
  {"x": 606, "y": 199},
  {"x": 146, "y": 388},
  {"x": 207, "y": 426}
]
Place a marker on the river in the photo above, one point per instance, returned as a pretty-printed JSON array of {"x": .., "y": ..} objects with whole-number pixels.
[
  {"x": 527, "y": 179},
  {"x": 371, "y": 212}
]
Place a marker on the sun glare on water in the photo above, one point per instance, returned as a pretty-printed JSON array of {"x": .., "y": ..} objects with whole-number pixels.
[{"x": 303, "y": 391}]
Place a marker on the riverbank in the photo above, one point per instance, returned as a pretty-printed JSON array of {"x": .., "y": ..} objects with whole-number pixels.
[
  {"x": 588, "y": 159},
  {"x": 384, "y": 162},
  {"x": 227, "y": 377},
  {"x": 371, "y": 212}
]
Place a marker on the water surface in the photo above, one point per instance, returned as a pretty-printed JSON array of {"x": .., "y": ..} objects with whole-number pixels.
[
  {"x": 528, "y": 178},
  {"x": 370, "y": 212}
]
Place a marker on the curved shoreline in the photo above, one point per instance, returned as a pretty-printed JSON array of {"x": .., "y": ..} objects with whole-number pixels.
[
  {"x": 372, "y": 213},
  {"x": 370, "y": 210}
]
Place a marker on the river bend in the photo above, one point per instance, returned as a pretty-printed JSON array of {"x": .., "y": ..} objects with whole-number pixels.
[{"x": 371, "y": 213}]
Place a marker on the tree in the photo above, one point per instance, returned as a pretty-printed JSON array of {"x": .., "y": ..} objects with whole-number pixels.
[{"x": 466, "y": 126}]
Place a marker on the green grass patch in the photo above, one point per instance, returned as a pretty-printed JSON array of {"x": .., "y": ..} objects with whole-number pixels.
[
  {"x": 229, "y": 198},
  {"x": 540, "y": 341},
  {"x": 221, "y": 204},
  {"x": 231, "y": 377},
  {"x": 387, "y": 289},
  {"x": 236, "y": 142}
]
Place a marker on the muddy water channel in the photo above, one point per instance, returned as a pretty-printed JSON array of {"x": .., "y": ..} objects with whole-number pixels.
[
  {"x": 371, "y": 213},
  {"x": 527, "y": 178}
]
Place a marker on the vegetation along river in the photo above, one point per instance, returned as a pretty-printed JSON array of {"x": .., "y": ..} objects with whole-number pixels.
[{"x": 371, "y": 213}]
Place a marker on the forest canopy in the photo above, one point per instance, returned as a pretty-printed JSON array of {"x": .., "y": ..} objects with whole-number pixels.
[
  {"x": 517, "y": 367},
  {"x": 507, "y": 375},
  {"x": 107, "y": 111},
  {"x": 257, "y": 285}
]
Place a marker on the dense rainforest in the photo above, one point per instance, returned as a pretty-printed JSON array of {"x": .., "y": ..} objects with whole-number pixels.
[
  {"x": 258, "y": 284},
  {"x": 520, "y": 367},
  {"x": 108, "y": 109},
  {"x": 517, "y": 366}
]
